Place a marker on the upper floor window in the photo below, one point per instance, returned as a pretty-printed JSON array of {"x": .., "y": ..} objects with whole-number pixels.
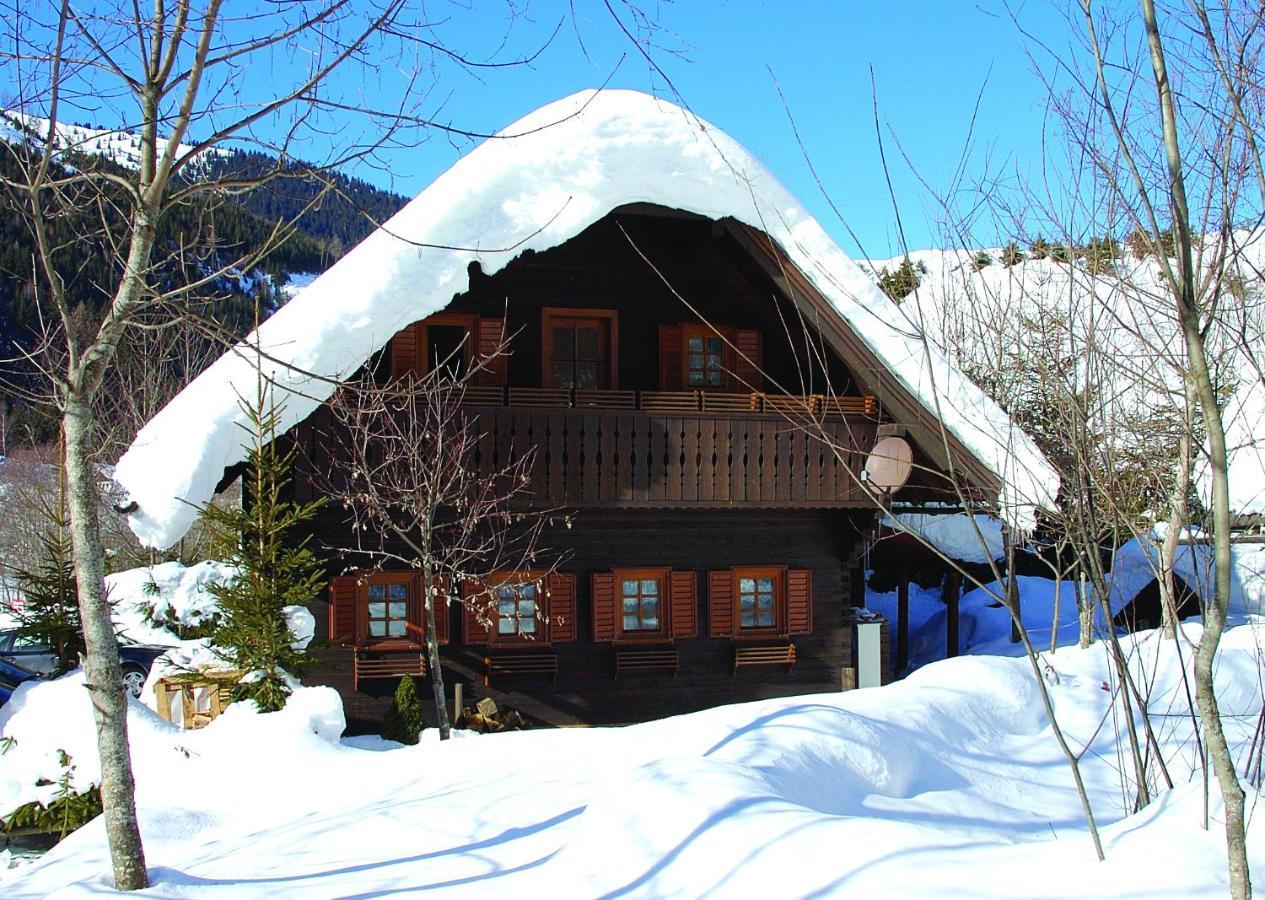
[
  {"x": 579, "y": 348},
  {"x": 705, "y": 363},
  {"x": 698, "y": 357},
  {"x": 453, "y": 342}
]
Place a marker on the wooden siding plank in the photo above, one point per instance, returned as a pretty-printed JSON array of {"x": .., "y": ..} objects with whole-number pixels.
[
  {"x": 608, "y": 489},
  {"x": 641, "y": 459},
  {"x": 675, "y": 428},
  {"x": 706, "y": 459},
  {"x": 588, "y": 438}
]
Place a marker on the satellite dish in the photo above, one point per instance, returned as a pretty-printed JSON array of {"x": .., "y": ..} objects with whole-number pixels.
[{"x": 889, "y": 463}]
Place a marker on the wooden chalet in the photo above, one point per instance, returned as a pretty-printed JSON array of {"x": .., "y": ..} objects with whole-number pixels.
[
  {"x": 702, "y": 374},
  {"x": 713, "y": 466}
]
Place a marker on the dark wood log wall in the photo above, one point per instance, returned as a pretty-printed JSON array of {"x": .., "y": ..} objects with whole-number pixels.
[
  {"x": 585, "y": 691},
  {"x": 600, "y": 268}
]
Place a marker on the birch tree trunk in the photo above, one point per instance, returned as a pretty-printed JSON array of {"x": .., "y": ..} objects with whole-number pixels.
[{"x": 102, "y": 670}]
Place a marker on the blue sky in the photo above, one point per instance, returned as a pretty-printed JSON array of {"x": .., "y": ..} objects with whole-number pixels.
[{"x": 931, "y": 61}]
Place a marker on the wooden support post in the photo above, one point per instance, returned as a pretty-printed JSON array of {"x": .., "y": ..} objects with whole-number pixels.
[
  {"x": 456, "y": 701},
  {"x": 902, "y": 623},
  {"x": 1012, "y": 586},
  {"x": 952, "y": 593}
]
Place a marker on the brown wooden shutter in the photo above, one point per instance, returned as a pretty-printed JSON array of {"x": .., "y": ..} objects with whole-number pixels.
[
  {"x": 749, "y": 364},
  {"x": 342, "y": 608},
  {"x": 799, "y": 601},
  {"x": 406, "y": 351},
  {"x": 473, "y": 601},
  {"x": 720, "y": 604},
  {"x": 683, "y": 587},
  {"x": 490, "y": 337},
  {"x": 671, "y": 363},
  {"x": 603, "y": 606},
  {"x": 561, "y": 612}
]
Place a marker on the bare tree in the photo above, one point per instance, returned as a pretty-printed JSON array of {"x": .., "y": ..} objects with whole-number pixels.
[{"x": 418, "y": 494}]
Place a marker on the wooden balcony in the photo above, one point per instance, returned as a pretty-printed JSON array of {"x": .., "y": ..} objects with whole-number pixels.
[
  {"x": 648, "y": 449},
  {"x": 678, "y": 449}
]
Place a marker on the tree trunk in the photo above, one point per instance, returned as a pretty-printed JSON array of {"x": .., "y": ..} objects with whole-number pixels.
[
  {"x": 432, "y": 653},
  {"x": 1084, "y": 611},
  {"x": 1216, "y": 611},
  {"x": 1178, "y": 515},
  {"x": 102, "y": 670}
]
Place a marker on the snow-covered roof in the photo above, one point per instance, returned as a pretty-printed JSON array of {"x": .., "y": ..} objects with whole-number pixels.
[
  {"x": 1136, "y": 563},
  {"x": 539, "y": 183},
  {"x": 1123, "y": 314},
  {"x": 961, "y": 536}
]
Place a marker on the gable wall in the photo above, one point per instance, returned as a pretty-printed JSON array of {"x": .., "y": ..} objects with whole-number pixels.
[{"x": 600, "y": 269}]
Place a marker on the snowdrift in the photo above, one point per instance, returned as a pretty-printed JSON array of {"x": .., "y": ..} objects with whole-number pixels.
[{"x": 948, "y": 783}]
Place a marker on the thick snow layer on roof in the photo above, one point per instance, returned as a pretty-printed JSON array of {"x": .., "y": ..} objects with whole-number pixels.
[
  {"x": 969, "y": 538},
  {"x": 1136, "y": 563},
  {"x": 539, "y": 183}
]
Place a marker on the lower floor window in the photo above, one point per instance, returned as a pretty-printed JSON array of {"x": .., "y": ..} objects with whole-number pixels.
[
  {"x": 757, "y": 601},
  {"x": 640, "y": 601},
  {"x": 516, "y": 609},
  {"x": 388, "y": 610}
]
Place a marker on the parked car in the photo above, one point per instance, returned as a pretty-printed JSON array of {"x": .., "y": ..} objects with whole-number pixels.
[
  {"x": 33, "y": 654},
  {"x": 11, "y": 675}
]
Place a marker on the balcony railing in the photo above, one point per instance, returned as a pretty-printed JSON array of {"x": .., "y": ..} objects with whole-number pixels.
[
  {"x": 651, "y": 448},
  {"x": 812, "y": 405},
  {"x": 691, "y": 458}
]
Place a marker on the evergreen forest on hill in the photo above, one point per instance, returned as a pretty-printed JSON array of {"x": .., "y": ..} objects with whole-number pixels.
[{"x": 330, "y": 214}]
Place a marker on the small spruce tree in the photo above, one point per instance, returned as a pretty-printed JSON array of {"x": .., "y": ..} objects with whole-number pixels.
[
  {"x": 903, "y": 280},
  {"x": 274, "y": 571},
  {"x": 403, "y": 719},
  {"x": 49, "y": 610},
  {"x": 1011, "y": 255},
  {"x": 982, "y": 260}
]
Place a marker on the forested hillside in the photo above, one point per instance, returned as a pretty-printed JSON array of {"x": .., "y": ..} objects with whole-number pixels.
[{"x": 304, "y": 223}]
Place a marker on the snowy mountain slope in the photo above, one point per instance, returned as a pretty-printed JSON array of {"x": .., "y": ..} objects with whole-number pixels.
[
  {"x": 1118, "y": 325},
  {"x": 946, "y": 784},
  {"x": 120, "y": 146},
  {"x": 569, "y": 164}
]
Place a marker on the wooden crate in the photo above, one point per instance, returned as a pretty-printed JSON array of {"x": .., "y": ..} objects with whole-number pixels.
[{"x": 202, "y": 697}]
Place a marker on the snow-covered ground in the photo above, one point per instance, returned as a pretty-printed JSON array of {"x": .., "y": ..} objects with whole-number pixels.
[{"x": 946, "y": 784}]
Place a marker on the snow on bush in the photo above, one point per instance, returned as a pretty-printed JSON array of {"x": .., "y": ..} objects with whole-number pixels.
[
  {"x": 46, "y": 716},
  {"x": 947, "y": 782},
  {"x": 168, "y": 591}
]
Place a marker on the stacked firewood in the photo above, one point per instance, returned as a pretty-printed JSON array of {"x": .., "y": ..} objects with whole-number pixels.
[{"x": 485, "y": 718}]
